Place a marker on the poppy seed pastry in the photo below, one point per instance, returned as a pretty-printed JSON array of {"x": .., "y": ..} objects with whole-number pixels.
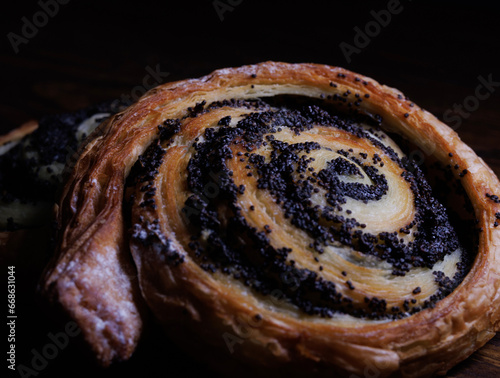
[{"x": 272, "y": 213}]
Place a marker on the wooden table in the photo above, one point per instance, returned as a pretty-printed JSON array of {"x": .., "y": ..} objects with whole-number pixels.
[{"x": 89, "y": 52}]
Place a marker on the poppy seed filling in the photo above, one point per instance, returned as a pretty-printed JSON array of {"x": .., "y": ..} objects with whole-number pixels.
[{"x": 313, "y": 197}]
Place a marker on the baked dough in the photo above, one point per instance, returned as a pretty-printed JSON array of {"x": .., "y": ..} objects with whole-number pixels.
[
  {"x": 33, "y": 160},
  {"x": 273, "y": 215}
]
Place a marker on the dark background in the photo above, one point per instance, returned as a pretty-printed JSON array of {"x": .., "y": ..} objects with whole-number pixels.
[{"x": 92, "y": 51}]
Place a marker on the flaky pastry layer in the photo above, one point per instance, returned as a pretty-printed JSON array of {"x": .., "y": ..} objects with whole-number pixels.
[{"x": 108, "y": 210}]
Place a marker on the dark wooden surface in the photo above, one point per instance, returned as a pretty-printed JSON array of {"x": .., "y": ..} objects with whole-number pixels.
[{"x": 95, "y": 51}]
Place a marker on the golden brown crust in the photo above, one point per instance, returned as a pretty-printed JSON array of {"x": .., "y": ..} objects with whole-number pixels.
[
  {"x": 82, "y": 283},
  {"x": 93, "y": 242}
]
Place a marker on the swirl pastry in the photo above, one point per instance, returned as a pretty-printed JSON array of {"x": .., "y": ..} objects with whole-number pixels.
[{"x": 273, "y": 213}]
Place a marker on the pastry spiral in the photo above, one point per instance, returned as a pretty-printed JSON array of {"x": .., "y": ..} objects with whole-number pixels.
[{"x": 280, "y": 196}]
